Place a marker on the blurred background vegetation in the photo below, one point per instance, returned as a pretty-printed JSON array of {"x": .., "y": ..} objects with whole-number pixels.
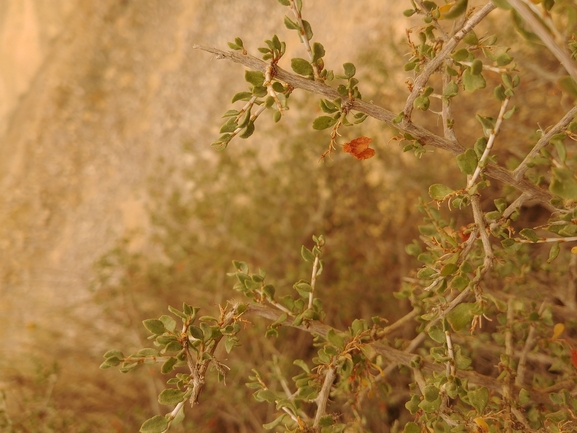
[{"x": 114, "y": 206}]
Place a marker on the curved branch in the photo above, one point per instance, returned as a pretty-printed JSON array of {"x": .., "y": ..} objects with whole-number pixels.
[
  {"x": 396, "y": 356},
  {"x": 423, "y": 135}
]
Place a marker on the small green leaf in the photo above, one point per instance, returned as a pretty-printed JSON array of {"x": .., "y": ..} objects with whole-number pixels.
[
  {"x": 300, "y": 363},
  {"x": 479, "y": 399},
  {"x": 529, "y": 234},
  {"x": 229, "y": 126},
  {"x": 274, "y": 423},
  {"x": 156, "y": 424},
  {"x": 147, "y": 352},
  {"x": 504, "y": 59},
  {"x": 499, "y": 93},
  {"x": 110, "y": 362},
  {"x": 502, "y": 4},
  {"x": 471, "y": 38},
  {"x": 456, "y": 10},
  {"x": 256, "y": 78},
  {"x": 431, "y": 392},
  {"x": 439, "y": 191},
  {"x": 323, "y": 122},
  {"x": 290, "y": 24},
  {"x": 248, "y": 131},
  {"x": 413, "y": 404},
  {"x": 460, "y": 282},
  {"x": 350, "y": 70},
  {"x": 230, "y": 343},
  {"x": 302, "y": 67},
  {"x": 488, "y": 124},
  {"x": 240, "y": 266},
  {"x": 195, "y": 332},
  {"x": 510, "y": 112},
  {"x": 155, "y": 326},
  {"x": 168, "y": 365},
  {"x": 554, "y": 252},
  {"x": 230, "y": 113},
  {"x": 430, "y": 406},
  {"x": 422, "y": 103},
  {"x": 467, "y": 161},
  {"x": 399, "y": 118},
  {"x": 564, "y": 184},
  {"x": 328, "y": 106},
  {"x": 269, "y": 291},
  {"x": 171, "y": 396},
  {"x": 476, "y": 67},
  {"x": 168, "y": 322},
  {"x": 113, "y": 354},
  {"x": 568, "y": 85},
  {"x": 558, "y": 140},
  {"x": 318, "y": 52},
  {"x": 451, "y": 90},
  {"x": 510, "y": 245},
  {"x": 437, "y": 334},
  {"x": 358, "y": 326},
  {"x": 303, "y": 286},
  {"x": 473, "y": 82},
  {"x": 461, "y": 55},
  {"x": 335, "y": 340},
  {"x": 307, "y": 255},
  {"x": 411, "y": 427},
  {"x": 308, "y": 30},
  {"x": 449, "y": 269},
  {"x": 265, "y": 395},
  {"x": 461, "y": 316},
  {"x": 410, "y": 65}
]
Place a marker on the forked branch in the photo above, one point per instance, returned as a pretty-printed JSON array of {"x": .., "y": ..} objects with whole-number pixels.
[{"x": 396, "y": 356}]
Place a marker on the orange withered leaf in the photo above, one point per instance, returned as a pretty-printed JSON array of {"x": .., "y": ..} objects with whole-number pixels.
[
  {"x": 574, "y": 357},
  {"x": 359, "y": 148}
]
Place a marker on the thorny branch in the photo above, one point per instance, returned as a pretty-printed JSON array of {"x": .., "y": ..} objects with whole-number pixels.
[{"x": 424, "y": 136}]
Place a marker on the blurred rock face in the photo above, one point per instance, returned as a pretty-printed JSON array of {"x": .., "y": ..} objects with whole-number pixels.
[{"x": 92, "y": 93}]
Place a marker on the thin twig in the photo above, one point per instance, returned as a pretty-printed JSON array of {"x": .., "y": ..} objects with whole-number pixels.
[
  {"x": 483, "y": 160},
  {"x": 323, "y": 397},
  {"x": 520, "y": 378},
  {"x": 439, "y": 58},
  {"x": 547, "y": 240},
  {"x": 521, "y": 418},
  {"x": 313, "y": 281},
  {"x": 447, "y": 112},
  {"x": 507, "y": 382},
  {"x": 480, "y": 221},
  {"x": 303, "y": 37},
  {"x": 451, "y": 362},
  {"x": 399, "y": 323},
  {"x": 544, "y": 141}
]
